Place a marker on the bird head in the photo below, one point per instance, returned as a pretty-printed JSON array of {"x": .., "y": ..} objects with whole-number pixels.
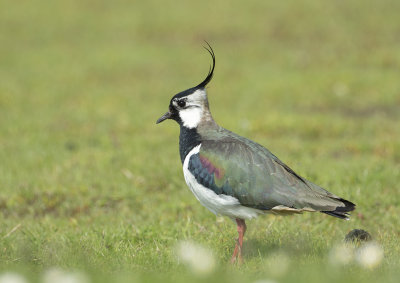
[{"x": 189, "y": 107}]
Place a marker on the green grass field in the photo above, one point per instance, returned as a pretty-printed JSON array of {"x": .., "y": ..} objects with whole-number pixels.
[{"x": 89, "y": 183}]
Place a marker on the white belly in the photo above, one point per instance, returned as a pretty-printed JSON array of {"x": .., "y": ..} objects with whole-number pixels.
[{"x": 217, "y": 204}]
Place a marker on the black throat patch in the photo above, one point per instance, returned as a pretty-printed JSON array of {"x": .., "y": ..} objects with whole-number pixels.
[{"x": 188, "y": 139}]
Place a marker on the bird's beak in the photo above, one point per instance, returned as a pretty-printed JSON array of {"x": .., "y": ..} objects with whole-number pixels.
[{"x": 166, "y": 116}]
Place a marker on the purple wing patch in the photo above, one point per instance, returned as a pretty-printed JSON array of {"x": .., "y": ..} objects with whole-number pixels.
[{"x": 211, "y": 168}]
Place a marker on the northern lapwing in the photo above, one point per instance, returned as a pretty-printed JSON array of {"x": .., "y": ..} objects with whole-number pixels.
[{"x": 236, "y": 177}]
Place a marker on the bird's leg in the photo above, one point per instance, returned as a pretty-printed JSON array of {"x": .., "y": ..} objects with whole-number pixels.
[
  {"x": 235, "y": 252},
  {"x": 241, "y": 228}
]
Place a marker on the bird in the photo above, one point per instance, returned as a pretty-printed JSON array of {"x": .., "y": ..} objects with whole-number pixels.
[{"x": 236, "y": 177}]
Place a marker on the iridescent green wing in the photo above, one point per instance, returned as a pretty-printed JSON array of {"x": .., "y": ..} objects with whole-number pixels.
[{"x": 237, "y": 167}]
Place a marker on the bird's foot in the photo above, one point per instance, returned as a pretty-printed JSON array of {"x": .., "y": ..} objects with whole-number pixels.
[
  {"x": 237, "y": 259},
  {"x": 237, "y": 254}
]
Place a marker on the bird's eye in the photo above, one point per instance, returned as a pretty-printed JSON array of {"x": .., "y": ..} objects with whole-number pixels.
[{"x": 181, "y": 103}]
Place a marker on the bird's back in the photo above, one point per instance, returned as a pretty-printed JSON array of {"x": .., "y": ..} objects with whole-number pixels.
[{"x": 233, "y": 165}]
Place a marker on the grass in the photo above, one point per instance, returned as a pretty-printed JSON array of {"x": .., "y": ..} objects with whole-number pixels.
[{"x": 89, "y": 182}]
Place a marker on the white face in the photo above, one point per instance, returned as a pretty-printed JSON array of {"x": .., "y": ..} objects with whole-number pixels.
[{"x": 192, "y": 111}]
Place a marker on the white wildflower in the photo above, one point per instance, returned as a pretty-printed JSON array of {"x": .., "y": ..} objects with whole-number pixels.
[
  {"x": 56, "y": 275},
  {"x": 10, "y": 277},
  {"x": 369, "y": 255},
  {"x": 341, "y": 254},
  {"x": 198, "y": 258}
]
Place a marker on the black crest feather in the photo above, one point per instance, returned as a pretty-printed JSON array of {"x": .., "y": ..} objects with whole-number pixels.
[{"x": 204, "y": 83}]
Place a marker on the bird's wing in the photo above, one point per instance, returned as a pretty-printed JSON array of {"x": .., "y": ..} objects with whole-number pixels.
[{"x": 240, "y": 168}]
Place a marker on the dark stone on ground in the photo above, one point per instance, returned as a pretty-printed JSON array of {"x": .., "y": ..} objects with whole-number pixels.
[{"x": 358, "y": 236}]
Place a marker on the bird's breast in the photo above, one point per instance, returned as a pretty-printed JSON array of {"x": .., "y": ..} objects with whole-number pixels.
[{"x": 218, "y": 204}]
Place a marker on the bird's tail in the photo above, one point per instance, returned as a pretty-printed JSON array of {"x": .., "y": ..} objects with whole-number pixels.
[{"x": 342, "y": 211}]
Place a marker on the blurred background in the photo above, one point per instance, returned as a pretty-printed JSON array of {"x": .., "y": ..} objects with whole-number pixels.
[{"x": 88, "y": 182}]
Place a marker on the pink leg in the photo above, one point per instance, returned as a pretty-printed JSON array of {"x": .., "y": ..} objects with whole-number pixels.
[{"x": 241, "y": 228}]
